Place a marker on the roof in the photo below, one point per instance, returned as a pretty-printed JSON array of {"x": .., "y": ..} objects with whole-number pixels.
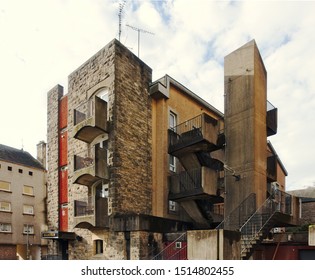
[
  {"x": 19, "y": 157},
  {"x": 305, "y": 193},
  {"x": 167, "y": 80}
]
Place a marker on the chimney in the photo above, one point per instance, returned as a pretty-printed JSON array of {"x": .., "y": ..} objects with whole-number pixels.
[{"x": 41, "y": 153}]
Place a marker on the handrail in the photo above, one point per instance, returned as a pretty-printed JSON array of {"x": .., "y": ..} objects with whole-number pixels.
[
  {"x": 180, "y": 238},
  {"x": 249, "y": 201}
]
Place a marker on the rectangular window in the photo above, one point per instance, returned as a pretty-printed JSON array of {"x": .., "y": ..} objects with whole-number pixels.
[
  {"x": 28, "y": 209},
  {"x": 5, "y": 186},
  {"x": 98, "y": 246},
  {"x": 5, "y": 227},
  {"x": 172, "y": 120},
  {"x": 20, "y": 170},
  {"x": 28, "y": 229},
  {"x": 28, "y": 190},
  {"x": 172, "y": 206},
  {"x": 5, "y": 206},
  {"x": 30, "y": 173},
  {"x": 172, "y": 163},
  {"x": 10, "y": 168}
]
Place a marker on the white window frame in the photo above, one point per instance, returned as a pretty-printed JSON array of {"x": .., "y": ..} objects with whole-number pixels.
[
  {"x": 5, "y": 206},
  {"x": 28, "y": 209},
  {"x": 30, "y": 188},
  {"x": 172, "y": 206},
  {"x": 28, "y": 229},
  {"x": 3, "y": 183},
  {"x": 172, "y": 163},
  {"x": 5, "y": 227}
]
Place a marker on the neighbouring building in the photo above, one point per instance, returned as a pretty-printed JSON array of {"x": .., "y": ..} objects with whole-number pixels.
[
  {"x": 22, "y": 203},
  {"x": 149, "y": 170}
]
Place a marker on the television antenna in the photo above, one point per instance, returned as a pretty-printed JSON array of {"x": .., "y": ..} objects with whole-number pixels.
[
  {"x": 120, "y": 13},
  {"x": 139, "y": 30}
]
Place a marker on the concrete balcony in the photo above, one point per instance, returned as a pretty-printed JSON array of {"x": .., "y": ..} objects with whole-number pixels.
[
  {"x": 91, "y": 212},
  {"x": 200, "y": 183},
  {"x": 272, "y": 119},
  {"x": 90, "y": 120},
  {"x": 90, "y": 166},
  {"x": 197, "y": 134}
]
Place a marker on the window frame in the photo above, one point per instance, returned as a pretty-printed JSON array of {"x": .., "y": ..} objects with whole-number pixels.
[
  {"x": 4, "y": 189},
  {"x": 26, "y": 193},
  {"x": 2, "y": 227},
  {"x": 30, "y": 207},
  {"x": 3, "y": 209}
]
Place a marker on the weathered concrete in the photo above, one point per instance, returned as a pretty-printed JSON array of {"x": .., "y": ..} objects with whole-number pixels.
[
  {"x": 213, "y": 245},
  {"x": 245, "y": 81}
]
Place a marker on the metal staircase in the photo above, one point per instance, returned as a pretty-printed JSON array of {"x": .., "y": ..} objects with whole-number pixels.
[{"x": 257, "y": 227}]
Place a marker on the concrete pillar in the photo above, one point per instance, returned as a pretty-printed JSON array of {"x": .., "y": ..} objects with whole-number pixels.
[{"x": 245, "y": 86}]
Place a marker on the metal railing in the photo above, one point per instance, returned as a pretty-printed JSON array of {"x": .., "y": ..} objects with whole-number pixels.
[
  {"x": 240, "y": 214},
  {"x": 186, "y": 181},
  {"x": 170, "y": 252},
  {"x": 190, "y": 130},
  {"x": 84, "y": 111},
  {"x": 84, "y": 205}
]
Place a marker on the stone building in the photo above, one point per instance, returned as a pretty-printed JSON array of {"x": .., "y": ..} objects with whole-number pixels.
[
  {"x": 134, "y": 164},
  {"x": 22, "y": 203}
]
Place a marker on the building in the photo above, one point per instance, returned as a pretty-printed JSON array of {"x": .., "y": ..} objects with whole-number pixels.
[
  {"x": 133, "y": 165},
  {"x": 22, "y": 203}
]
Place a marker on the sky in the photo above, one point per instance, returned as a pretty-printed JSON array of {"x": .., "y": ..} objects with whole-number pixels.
[{"x": 43, "y": 41}]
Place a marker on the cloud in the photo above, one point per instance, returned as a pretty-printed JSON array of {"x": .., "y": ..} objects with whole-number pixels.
[{"x": 44, "y": 41}]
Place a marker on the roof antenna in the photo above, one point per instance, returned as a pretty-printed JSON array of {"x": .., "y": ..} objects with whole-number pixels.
[
  {"x": 139, "y": 30},
  {"x": 120, "y": 13},
  {"x": 22, "y": 145}
]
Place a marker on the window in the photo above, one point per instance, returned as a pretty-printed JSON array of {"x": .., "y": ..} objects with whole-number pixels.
[
  {"x": 20, "y": 170},
  {"x": 28, "y": 229},
  {"x": 172, "y": 206},
  {"x": 103, "y": 94},
  {"x": 5, "y": 186},
  {"x": 30, "y": 173},
  {"x": 172, "y": 125},
  {"x": 5, "y": 206},
  {"x": 28, "y": 209},
  {"x": 10, "y": 168},
  {"x": 98, "y": 246},
  {"x": 172, "y": 163},
  {"x": 5, "y": 227},
  {"x": 172, "y": 120},
  {"x": 28, "y": 190}
]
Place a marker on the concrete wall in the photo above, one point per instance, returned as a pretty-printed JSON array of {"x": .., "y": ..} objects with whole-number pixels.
[
  {"x": 213, "y": 245},
  {"x": 245, "y": 82}
]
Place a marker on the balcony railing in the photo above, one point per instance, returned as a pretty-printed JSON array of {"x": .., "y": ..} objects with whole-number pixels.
[
  {"x": 200, "y": 182},
  {"x": 91, "y": 211},
  {"x": 90, "y": 119},
  {"x": 272, "y": 119},
  {"x": 199, "y": 133},
  {"x": 90, "y": 166}
]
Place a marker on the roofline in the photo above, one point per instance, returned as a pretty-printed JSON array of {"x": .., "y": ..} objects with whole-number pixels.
[
  {"x": 278, "y": 158},
  {"x": 21, "y": 164},
  {"x": 167, "y": 80}
]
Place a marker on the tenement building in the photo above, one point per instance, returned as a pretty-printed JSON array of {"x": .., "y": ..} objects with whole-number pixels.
[
  {"x": 149, "y": 170},
  {"x": 22, "y": 203}
]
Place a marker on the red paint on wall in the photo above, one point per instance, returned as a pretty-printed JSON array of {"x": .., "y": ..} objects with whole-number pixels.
[
  {"x": 63, "y": 112},
  {"x": 63, "y": 148},
  {"x": 63, "y": 218},
  {"x": 63, "y": 186}
]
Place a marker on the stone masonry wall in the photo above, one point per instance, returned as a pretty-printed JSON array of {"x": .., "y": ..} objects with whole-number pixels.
[
  {"x": 131, "y": 135},
  {"x": 53, "y": 97},
  {"x": 94, "y": 74}
]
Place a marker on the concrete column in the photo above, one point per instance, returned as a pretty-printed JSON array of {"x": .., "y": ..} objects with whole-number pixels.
[{"x": 245, "y": 81}]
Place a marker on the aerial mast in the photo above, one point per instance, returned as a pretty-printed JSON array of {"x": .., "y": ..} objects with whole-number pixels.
[
  {"x": 139, "y": 30},
  {"x": 120, "y": 12}
]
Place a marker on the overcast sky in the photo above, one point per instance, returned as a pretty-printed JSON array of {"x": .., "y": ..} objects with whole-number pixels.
[{"x": 43, "y": 41}]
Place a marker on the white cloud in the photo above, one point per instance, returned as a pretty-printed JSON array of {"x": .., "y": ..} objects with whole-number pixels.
[{"x": 44, "y": 41}]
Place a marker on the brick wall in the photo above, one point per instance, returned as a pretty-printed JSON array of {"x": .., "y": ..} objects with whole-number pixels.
[{"x": 8, "y": 252}]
